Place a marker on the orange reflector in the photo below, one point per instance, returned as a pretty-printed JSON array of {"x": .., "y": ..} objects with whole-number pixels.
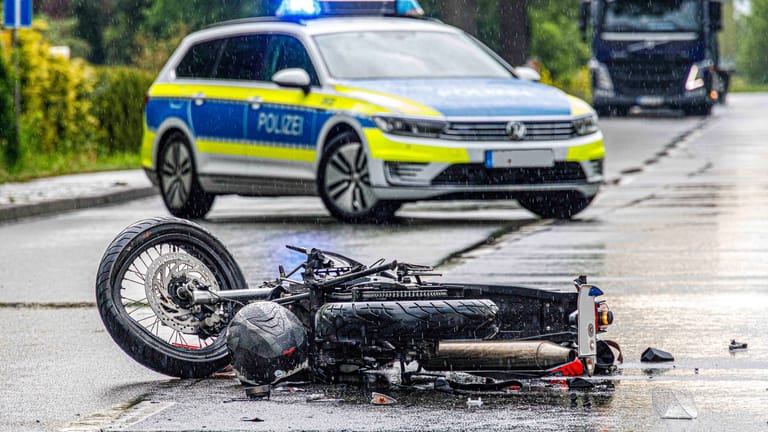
[
  {"x": 606, "y": 318},
  {"x": 713, "y": 95},
  {"x": 382, "y": 399}
]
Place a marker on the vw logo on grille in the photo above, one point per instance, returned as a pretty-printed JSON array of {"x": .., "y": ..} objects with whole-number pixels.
[{"x": 516, "y": 130}]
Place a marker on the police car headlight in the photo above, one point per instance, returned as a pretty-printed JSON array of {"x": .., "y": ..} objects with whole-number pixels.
[
  {"x": 410, "y": 127},
  {"x": 585, "y": 125}
]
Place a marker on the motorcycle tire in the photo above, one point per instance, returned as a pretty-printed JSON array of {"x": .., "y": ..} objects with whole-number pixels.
[
  {"x": 160, "y": 331},
  {"x": 400, "y": 322}
]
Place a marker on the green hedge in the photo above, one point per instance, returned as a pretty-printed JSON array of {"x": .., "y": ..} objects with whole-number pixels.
[
  {"x": 74, "y": 117},
  {"x": 118, "y": 103},
  {"x": 9, "y": 145}
]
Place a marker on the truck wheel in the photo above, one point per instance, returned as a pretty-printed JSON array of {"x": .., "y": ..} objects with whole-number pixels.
[
  {"x": 344, "y": 185},
  {"x": 555, "y": 205},
  {"x": 181, "y": 190}
]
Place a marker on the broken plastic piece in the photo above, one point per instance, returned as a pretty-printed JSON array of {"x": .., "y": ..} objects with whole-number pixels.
[
  {"x": 656, "y": 355},
  {"x": 252, "y": 420},
  {"x": 737, "y": 346},
  {"x": 382, "y": 399},
  {"x": 474, "y": 402},
  {"x": 320, "y": 398},
  {"x": 258, "y": 392},
  {"x": 671, "y": 404}
]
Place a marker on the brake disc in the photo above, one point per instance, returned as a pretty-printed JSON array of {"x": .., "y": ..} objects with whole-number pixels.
[{"x": 166, "y": 280}]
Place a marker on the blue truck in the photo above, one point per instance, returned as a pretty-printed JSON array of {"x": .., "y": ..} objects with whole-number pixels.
[{"x": 654, "y": 54}]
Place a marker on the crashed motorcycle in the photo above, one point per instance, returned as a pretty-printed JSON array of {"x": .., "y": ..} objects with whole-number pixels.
[{"x": 174, "y": 299}]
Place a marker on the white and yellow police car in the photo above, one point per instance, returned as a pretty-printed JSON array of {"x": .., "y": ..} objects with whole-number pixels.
[{"x": 368, "y": 112}]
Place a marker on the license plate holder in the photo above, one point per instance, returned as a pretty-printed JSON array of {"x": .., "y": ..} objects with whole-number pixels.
[{"x": 519, "y": 159}]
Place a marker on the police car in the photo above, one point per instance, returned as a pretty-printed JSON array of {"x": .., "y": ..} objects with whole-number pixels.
[{"x": 368, "y": 112}]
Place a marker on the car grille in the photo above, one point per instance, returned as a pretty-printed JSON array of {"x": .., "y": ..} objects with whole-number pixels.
[
  {"x": 479, "y": 175},
  {"x": 497, "y": 131},
  {"x": 660, "y": 78}
]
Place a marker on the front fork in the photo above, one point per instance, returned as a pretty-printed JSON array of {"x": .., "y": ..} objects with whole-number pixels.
[{"x": 586, "y": 327}]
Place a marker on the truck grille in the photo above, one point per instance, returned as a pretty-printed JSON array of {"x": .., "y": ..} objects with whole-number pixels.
[
  {"x": 497, "y": 131},
  {"x": 659, "y": 78}
]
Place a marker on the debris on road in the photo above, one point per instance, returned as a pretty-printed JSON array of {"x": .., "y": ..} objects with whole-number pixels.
[
  {"x": 655, "y": 355},
  {"x": 320, "y": 398},
  {"x": 382, "y": 399},
  {"x": 474, "y": 403},
  {"x": 674, "y": 405},
  {"x": 737, "y": 346},
  {"x": 252, "y": 420}
]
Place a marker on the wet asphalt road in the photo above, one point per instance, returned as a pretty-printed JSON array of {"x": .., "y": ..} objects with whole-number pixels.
[{"x": 677, "y": 249}]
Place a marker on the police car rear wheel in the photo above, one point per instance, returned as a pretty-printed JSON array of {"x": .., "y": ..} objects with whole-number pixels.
[
  {"x": 555, "y": 205},
  {"x": 182, "y": 193},
  {"x": 344, "y": 183}
]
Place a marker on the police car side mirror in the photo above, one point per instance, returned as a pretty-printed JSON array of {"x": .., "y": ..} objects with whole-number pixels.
[
  {"x": 293, "y": 78},
  {"x": 527, "y": 73}
]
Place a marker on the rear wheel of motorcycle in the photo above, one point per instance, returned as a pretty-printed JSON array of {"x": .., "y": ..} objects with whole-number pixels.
[{"x": 151, "y": 321}]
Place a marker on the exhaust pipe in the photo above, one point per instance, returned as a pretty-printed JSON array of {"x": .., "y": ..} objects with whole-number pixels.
[{"x": 497, "y": 355}]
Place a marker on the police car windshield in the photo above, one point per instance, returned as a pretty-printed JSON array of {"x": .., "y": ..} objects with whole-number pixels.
[{"x": 406, "y": 54}]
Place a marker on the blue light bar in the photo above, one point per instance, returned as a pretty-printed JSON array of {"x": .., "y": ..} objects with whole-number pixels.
[
  {"x": 299, "y": 8},
  {"x": 315, "y": 8}
]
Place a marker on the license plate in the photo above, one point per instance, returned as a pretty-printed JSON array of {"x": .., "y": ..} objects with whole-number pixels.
[
  {"x": 650, "y": 100},
  {"x": 519, "y": 159}
]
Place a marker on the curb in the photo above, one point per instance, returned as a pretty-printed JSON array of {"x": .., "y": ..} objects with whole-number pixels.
[{"x": 21, "y": 211}]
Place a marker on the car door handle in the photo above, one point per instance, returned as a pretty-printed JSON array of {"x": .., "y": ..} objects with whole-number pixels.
[
  {"x": 255, "y": 102},
  {"x": 199, "y": 99}
]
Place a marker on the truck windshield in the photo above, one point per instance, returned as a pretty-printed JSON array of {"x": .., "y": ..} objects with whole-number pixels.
[
  {"x": 651, "y": 16},
  {"x": 406, "y": 54}
]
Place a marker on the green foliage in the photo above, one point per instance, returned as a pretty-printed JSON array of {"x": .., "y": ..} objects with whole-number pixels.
[
  {"x": 118, "y": 103},
  {"x": 62, "y": 32},
  {"x": 555, "y": 38},
  {"x": 752, "y": 61},
  {"x": 9, "y": 144},
  {"x": 75, "y": 118},
  {"x": 56, "y": 98}
]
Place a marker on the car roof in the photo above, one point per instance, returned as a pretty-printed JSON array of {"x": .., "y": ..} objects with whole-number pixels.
[{"x": 317, "y": 26}]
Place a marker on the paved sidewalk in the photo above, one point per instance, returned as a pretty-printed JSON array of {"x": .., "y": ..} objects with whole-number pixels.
[{"x": 71, "y": 192}]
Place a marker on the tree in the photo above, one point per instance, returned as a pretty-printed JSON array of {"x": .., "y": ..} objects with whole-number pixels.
[
  {"x": 752, "y": 61},
  {"x": 92, "y": 18},
  {"x": 9, "y": 143},
  {"x": 513, "y": 31},
  {"x": 462, "y": 14}
]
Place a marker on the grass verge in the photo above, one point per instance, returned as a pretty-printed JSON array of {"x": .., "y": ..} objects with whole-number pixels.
[{"x": 37, "y": 166}]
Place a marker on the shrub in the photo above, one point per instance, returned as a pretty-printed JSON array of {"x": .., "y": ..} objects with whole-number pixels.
[
  {"x": 9, "y": 144},
  {"x": 56, "y": 98},
  {"x": 118, "y": 103}
]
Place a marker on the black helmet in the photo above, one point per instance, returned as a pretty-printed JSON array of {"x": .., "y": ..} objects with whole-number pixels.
[{"x": 267, "y": 342}]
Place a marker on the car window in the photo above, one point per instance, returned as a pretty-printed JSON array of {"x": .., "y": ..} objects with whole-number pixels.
[
  {"x": 406, "y": 54},
  {"x": 200, "y": 60},
  {"x": 288, "y": 52},
  {"x": 243, "y": 58}
]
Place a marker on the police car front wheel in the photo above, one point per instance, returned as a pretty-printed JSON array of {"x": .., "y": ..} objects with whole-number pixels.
[
  {"x": 344, "y": 183},
  {"x": 555, "y": 204},
  {"x": 181, "y": 190}
]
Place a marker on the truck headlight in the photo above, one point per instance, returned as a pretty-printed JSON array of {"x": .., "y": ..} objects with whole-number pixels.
[
  {"x": 600, "y": 75},
  {"x": 695, "y": 78},
  {"x": 410, "y": 127},
  {"x": 585, "y": 125}
]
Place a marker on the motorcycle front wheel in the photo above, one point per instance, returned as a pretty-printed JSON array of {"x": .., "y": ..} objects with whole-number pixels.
[{"x": 142, "y": 291}]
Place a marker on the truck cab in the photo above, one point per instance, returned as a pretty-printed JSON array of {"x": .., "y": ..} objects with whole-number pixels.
[{"x": 653, "y": 54}]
